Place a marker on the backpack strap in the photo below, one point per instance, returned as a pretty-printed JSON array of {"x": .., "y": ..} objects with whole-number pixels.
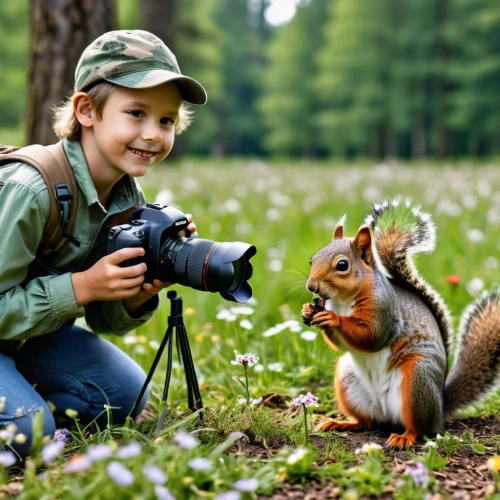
[{"x": 53, "y": 165}]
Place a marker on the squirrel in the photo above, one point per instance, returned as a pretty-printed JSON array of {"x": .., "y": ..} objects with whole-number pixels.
[{"x": 396, "y": 330}]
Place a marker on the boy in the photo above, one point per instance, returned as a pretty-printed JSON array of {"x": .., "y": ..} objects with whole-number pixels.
[{"x": 120, "y": 122}]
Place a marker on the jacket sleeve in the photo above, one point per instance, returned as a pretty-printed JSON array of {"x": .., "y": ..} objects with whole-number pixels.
[{"x": 43, "y": 304}]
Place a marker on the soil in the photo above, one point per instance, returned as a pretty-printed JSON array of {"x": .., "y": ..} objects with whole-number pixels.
[{"x": 466, "y": 476}]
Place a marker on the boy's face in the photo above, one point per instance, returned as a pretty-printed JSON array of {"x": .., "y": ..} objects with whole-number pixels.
[{"x": 136, "y": 129}]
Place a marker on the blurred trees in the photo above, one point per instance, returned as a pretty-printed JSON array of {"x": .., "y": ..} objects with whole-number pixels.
[{"x": 376, "y": 78}]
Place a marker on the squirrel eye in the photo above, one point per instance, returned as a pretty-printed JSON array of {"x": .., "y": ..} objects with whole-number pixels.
[{"x": 342, "y": 265}]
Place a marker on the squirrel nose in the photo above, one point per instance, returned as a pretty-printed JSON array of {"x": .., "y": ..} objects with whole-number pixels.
[{"x": 312, "y": 286}]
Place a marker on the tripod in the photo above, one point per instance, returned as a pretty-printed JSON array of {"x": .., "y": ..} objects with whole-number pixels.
[{"x": 175, "y": 323}]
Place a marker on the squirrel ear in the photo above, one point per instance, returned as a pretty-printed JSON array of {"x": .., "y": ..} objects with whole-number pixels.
[
  {"x": 362, "y": 244},
  {"x": 339, "y": 229}
]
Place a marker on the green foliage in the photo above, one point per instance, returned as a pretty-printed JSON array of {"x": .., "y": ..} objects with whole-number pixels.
[{"x": 289, "y": 101}]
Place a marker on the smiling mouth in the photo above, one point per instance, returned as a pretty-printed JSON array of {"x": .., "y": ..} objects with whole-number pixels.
[{"x": 141, "y": 152}]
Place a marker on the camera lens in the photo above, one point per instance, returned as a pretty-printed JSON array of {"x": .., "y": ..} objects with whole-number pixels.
[{"x": 209, "y": 266}]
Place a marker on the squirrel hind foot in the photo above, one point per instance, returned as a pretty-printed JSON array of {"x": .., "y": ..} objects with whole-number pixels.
[
  {"x": 336, "y": 425},
  {"x": 404, "y": 440}
]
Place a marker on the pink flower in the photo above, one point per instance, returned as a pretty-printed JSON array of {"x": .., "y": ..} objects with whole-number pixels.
[{"x": 307, "y": 400}]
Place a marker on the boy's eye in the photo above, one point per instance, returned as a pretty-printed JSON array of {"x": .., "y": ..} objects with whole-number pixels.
[
  {"x": 136, "y": 113},
  {"x": 166, "y": 121},
  {"x": 342, "y": 265}
]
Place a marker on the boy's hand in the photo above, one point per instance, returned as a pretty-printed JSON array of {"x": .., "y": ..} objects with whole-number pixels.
[
  {"x": 191, "y": 227},
  {"x": 106, "y": 280},
  {"x": 147, "y": 291}
]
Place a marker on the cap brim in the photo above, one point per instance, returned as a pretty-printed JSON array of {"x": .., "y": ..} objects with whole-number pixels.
[{"x": 191, "y": 91}]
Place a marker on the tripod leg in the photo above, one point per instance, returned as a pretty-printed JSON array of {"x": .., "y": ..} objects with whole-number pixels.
[
  {"x": 168, "y": 375},
  {"x": 194, "y": 397},
  {"x": 166, "y": 337}
]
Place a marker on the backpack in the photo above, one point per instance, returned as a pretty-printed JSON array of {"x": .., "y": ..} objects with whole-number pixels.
[{"x": 53, "y": 165}]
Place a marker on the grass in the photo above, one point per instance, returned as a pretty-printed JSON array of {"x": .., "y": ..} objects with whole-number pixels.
[{"x": 288, "y": 211}]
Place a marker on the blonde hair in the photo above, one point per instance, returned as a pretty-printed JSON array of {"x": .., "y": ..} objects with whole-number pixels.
[{"x": 67, "y": 126}]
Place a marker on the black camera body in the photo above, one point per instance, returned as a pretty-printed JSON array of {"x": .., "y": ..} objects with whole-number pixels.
[{"x": 195, "y": 262}]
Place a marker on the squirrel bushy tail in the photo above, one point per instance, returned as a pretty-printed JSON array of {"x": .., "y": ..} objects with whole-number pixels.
[
  {"x": 476, "y": 370},
  {"x": 401, "y": 231}
]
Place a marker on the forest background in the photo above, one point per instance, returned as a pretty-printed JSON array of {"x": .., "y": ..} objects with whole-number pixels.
[{"x": 342, "y": 78}]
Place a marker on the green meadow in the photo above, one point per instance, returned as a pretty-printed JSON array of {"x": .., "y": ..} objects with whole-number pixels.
[{"x": 288, "y": 211}]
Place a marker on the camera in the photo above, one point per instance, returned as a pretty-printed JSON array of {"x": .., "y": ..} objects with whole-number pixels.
[{"x": 201, "y": 264}]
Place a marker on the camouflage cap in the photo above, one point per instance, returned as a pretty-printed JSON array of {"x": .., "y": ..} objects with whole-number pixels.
[{"x": 134, "y": 59}]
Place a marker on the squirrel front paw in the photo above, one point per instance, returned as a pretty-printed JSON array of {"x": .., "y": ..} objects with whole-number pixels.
[
  {"x": 308, "y": 312},
  {"x": 325, "y": 320}
]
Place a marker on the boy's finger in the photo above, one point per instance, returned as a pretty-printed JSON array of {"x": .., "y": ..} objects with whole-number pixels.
[{"x": 125, "y": 254}]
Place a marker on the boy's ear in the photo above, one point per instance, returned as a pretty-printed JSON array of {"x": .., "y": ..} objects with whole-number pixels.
[
  {"x": 83, "y": 109},
  {"x": 362, "y": 245}
]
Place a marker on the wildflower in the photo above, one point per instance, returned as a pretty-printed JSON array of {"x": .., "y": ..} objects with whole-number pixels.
[
  {"x": 7, "y": 458},
  {"x": 98, "y": 452},
  {"x": 51, "y": 451},
  {"x": 131, "y": 450},
  {"x": 226, "y": 315},
  {"x": 200, "y": 464},
  {"x": 430, "y": 444},
  {"x": 163, "y": 493},
  {"x": 120, "y": 474},
  {"x": 309, "y": 335},
  {"x": 154, "y": 474},
  {"x": 20, "y": 438},
  {"x": 244, "y": 310},
  {"x": 247, "y": 325},
  {"x": 474, "y": 286},
  {"x": 307, "y": 400},
  {"x": 185, "y": 440},
  {"x": 73, "y": 414},
  {"x": 275, "y": 367},
  {"x": 454, "y": 279},
  {"x": 63, "y": 435},
  {"x": 229, "y": 495},
  {"x": 245, "y": 360},
  {"x": 297, "y": 455},
  {"x": 11, "y": 428},
  {"x": 78, "y": 463},
  {"x": 419, "y": 474},
  {"x": 246, "y": 485},
  {"x": 368, "y": 448},
  {"x": 493, "y": 463}
]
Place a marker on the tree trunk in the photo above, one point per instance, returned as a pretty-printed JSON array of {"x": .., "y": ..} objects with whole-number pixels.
[
  {"x": 60, "y": 31},
  {"x": 159, "y": 18}
]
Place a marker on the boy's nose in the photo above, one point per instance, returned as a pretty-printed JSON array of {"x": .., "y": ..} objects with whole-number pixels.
[{"x": 151, "y": 132}]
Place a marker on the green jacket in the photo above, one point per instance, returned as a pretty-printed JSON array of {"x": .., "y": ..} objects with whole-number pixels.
[{"x": 31, "y": 305}]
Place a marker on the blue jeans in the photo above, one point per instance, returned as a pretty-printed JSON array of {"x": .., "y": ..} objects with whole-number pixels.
[{"x": 74, "y": 369}]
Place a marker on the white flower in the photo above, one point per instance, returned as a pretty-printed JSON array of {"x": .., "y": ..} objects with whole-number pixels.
[
  {"x": 154, "y": 474},
  {"x": 247, "y": 325},
  {"x": 297, "y": 455},
  {"x": 258, "y": 368},
  {"x": 78, "y": 464},
  {"x": 165, "y": 197},
  {"x": 51, "y": 451},
  {"x": 200, "y": 464},
  {"x": 275, "y": 367},
  {"x": 430, "y": 444},
  {"x": 227, "y": 315},
  {"x": 368, "y": 448},
  {"x": 131, "y": 450},
  {"x": 232, "y": 206},
  {"x": 98, "y": 452},
  {"x": 246, "y": 484},
  {"x": 475, "y": 235},
  {"x": 163, "y": 493},
  {"x": 120, "y": 474},
  {"x": 275, "y": 265},
  {"x": 20, "y": 438},
  {"x": 130, "y": 339},
  {"x": 474, "y": 286},
  {"x": 7, "y": 458},
  {"x": 185, "y": 440},
  {"x": 309, "y": 335}
]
